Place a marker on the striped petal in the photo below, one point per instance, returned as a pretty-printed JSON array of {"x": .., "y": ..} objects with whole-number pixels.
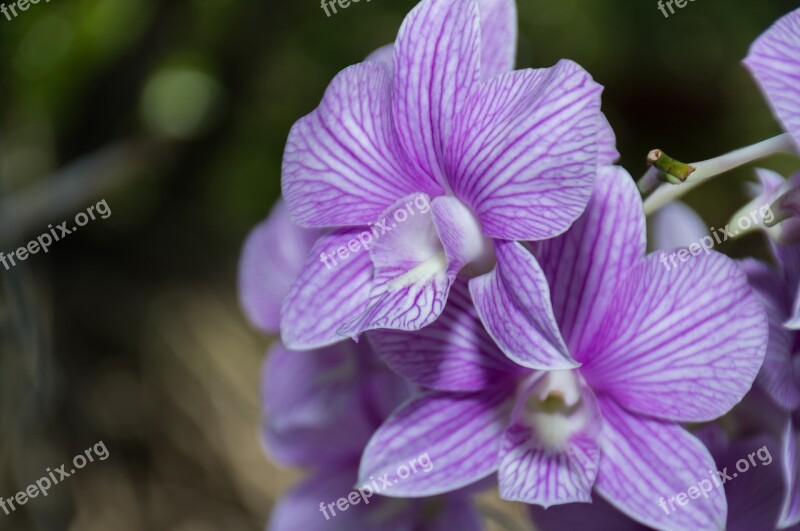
[
  {"x": 459, "y": 432},
  {"x": 774, "y": 60},
  {"x": 342, "y": 165},
  {"x": 498, "y": 36},
  {"x": 644, "y": 460},
  {"x": 513, "y": 301},
  {"x": 411, "y": 280},
  {"x": 385, "y": 55},
  {"x": 531, "y": 473},
  {"x": 585, "y": 264},
  {"x": 453, "y": 354},
  {"x": 437, "y": 66},
  {"x": 524, "y": 154},
  {"x": 330, "y": 291},
  {"x": 683, "y": 344},
  {"x": 417, "y": 262},
  {"x": 550, "y": 455},
  {"x": 607, "y": 153},
  {"x": 272, "y": 257}
]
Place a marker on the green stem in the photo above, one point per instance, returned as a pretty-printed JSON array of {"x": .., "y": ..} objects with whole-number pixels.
[
  {"x": 708, "y": 169},
  {"x": 663, "y": 168}
]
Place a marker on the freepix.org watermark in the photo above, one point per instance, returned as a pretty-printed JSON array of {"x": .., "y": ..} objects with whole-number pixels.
[
  {"x": 762, "y": 215},
  {"x": 663, "y": 5},
  {"x": 45, "y": 240},
  {"x": 365, "y": 492},
  {"x": 378, "y": 229},
  {"x": 54, "y": 477},
  {"x": 22, "y": 5},
  {"x": 330, "y": 5},
  {"x": 718, "y": 479}
]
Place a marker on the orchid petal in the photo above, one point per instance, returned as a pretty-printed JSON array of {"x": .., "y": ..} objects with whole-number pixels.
[
  {"x": 460, "y": 234},
  {"x": 437, "y": 67},
  {"x": 459, "y": 432},
  {"x": 498, "y": 36},
  {"x": 676, "y": 226},
  {"x": 343, "y": 165},
  {"x": 790, "y": 508},
  {"x": 769, "y": 182},
  {"x": 774, "y": 60},
  {"x": 328, "y": 292},
  {"x": 788, "y": 257},
  {"x": 767, "y": 200},
  {"x": 313, "y": 406},
  {"x": 582, "y": 271},
  {"x": 513, "y": 301},
  {"x": 453, "y": 354},
  {"x": 645, "y": 459},
  {"x": 300, "y": 508},
  {"x": 272, "y": 257},
  {"x": 754, "y": 501},
  {"x": 531, "y": 473},
  {"x": 526, "y": 155},
  {"x": 551, "y": 458},
  {"x": 385, "y": 55},
  {"x": 777, "y": 373},
  {"x": 607, "y": 151},
  {"x": 682, "y": 344},
  {"x": 411, "y": 280}
]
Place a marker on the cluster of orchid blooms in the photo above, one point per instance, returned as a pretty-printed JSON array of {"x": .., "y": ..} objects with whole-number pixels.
[{"x": 518, "y": 332}]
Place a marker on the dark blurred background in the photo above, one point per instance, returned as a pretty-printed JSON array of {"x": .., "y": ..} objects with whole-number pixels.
[{"x": 176, "y": 112}]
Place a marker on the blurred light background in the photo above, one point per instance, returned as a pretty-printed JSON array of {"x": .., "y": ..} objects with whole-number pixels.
[{"x": 176, "y": 113}]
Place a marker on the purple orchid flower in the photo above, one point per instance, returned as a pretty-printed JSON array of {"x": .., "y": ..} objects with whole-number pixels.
[
  {"x": 753, "y": 500},
  {"x": 321, "y": 407},
  {"x": 419, "y": 166},
  {"x": 657, "y": 348}
]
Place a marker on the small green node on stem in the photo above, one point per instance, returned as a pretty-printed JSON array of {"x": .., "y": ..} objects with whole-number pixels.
[{"x": 672, "y": 171}]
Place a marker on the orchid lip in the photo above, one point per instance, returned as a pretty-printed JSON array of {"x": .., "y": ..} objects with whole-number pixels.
[
  {"x": 421, "y": 273},
  {"x": 553, "y": 406}
]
